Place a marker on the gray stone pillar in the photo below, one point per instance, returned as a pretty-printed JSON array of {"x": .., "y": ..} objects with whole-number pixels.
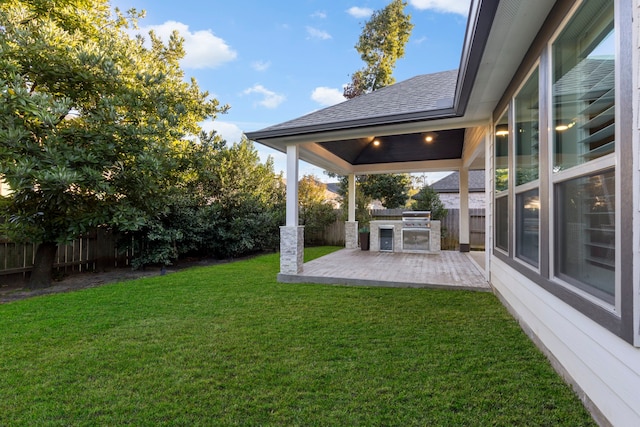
[
  {"x": 351, "y": 234},
  {"x": 291, "y": 249}
]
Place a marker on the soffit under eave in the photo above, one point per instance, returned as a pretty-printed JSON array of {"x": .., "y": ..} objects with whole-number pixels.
[
  {"x": 281, "y": 143},
  {"x": 517, "y": 23},
  {"x": 312, "y": 152},
  {"x": 438, "y": 160}
]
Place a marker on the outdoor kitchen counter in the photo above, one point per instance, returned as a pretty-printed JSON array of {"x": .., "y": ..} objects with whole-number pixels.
[{"x": 397, "y": 226}]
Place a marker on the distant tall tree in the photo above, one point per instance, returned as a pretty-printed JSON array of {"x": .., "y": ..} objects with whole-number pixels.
[
  {"x": 380, "y": 45},
  {"x": 91, "y": 121}
]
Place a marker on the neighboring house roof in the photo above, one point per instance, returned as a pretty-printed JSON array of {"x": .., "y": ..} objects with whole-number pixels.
[
  {"x": 334, "y": 187},
  {"x": 451, "y": 183}
]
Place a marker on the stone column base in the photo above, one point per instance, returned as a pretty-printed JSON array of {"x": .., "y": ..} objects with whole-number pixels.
[
  {"x": 351, "y": 234},
  {"x": 291, "y": 249}
]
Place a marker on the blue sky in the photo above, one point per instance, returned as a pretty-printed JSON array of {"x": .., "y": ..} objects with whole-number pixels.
[{"x": 273, "y": 61}]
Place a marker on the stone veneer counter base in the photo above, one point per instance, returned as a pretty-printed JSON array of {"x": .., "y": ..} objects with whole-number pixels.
[{"x": 375, "y": 226}]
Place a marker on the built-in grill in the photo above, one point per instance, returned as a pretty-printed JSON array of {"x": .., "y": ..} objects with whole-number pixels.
[{"x": 416, "y": 231}]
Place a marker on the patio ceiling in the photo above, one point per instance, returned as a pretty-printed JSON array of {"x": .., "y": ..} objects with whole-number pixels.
[
  {"x": 444, "y": 105},
  {"x": 414, "y": 147}
]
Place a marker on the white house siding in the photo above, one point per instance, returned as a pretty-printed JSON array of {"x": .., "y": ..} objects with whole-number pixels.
[
  {"x": 473, "y": 147},
  {"x": 603, "y": 366},
  {"x": 452, "y": 200}
]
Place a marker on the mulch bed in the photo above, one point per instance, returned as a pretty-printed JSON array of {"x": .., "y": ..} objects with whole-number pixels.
[{"x": 17, "y": 290}]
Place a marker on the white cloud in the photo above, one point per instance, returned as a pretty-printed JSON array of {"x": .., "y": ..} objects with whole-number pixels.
[
  {"x": 327, "y": 96},
  {"x": 202, "y": 48},
  {"x": 446, "y": 6},
  {"x": 319, "y": 14},
  {"x": 420, "y": 40},
  {"x": 261, "y": 65},
  {"x": 360, "y": 12},
  {"x": 318, "y": 34},
  {"x": 270, "y": 99},
  {"x": 229, "y": 131}
]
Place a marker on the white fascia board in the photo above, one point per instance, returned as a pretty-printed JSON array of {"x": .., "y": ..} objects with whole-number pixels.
[
  {"x": 409, "y": 167},
  {"x": 281, "y": 142}
]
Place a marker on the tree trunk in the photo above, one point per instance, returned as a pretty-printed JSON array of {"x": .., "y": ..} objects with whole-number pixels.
[{"x": 42, "y": 273}]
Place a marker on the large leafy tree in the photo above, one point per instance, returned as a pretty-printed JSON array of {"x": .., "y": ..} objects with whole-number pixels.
[
  {"x": 247, "y": 201},
  {"x": 91, "y": 121},
  {"x": 381, "y": 43},
  {"x": 224, "y": 202}
]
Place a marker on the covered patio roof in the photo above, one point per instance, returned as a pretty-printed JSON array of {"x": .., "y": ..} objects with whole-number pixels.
[{"x": 386, "y": 130}]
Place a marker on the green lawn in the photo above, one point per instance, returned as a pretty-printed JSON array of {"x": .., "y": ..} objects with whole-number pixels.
[{"x": 228, "y": 345}]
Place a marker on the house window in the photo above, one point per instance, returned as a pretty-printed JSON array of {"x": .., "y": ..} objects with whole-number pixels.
[
  {"x": 527, "y": 132},
  {"x": 527, "y": 121},
  {"x": 502, "y": 223},
  {"x": 585, "y": 233},
  {"x": 502, "y": 183},
  {"x": 528, "y": 226},
  {"x": 502, "y": 155},
  {"x": 584, "y": 87},
  {"x": 563, "y": 166},
  {"x": 583, "y": 120}
]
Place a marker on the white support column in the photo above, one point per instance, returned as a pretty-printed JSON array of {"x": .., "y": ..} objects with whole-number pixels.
[
  {"x": 488, "y": 201},
  {"x": 292, "y": 185},
  {"x": 352, "y": 198},
  {"x": 351, "y": 226},
  {"x": 292, "y": 235},
  {"x": 464, "y": 210}
]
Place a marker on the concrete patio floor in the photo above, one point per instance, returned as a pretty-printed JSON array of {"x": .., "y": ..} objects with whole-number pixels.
[{"x": 447, "y": 269}]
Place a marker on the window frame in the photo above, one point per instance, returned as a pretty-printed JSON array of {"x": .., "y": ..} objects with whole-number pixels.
[
  {"x": 502, "y": 194},
  {"x": 619, "y": 317},
  {"x": 531, "y": 185},
  {"x": 600, "y": 164}
]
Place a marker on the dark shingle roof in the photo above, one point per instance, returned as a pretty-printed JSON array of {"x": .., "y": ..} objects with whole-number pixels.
[
  {"x": 333, "y": 187},
  {"x": 424, "y": 93},
  {"x": 450, "y": 183}
]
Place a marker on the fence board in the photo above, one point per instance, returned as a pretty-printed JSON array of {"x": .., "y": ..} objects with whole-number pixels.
[{"x": 96, "y": 251}]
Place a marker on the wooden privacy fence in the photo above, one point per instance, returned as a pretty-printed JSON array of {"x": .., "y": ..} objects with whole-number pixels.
[
  {"x": 95, "y": 252},
  {"x": 334, "y": 233},
  {"x": 451, "y": 229}
]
